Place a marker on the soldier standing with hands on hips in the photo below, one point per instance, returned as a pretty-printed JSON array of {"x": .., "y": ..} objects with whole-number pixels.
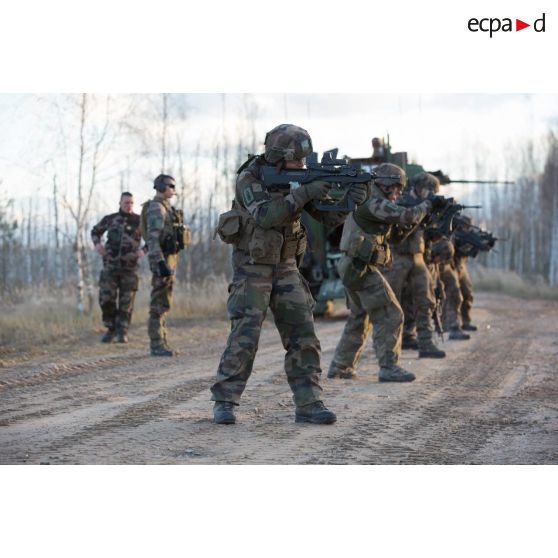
[{"x": 118, "y": 283}]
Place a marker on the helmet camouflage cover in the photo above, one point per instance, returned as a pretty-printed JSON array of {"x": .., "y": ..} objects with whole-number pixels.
[
  {"x": 287, "y": 142},
  {"x": 389, "y": 169},
  {"x": 463, "y": 219},
  {"x": 424, "y": 182}
]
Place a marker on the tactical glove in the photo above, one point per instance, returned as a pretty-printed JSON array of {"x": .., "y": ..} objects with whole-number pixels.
[
  {"x": 163, "y": 269},
  {"x": 317, "y": 190},
  {"x": 358, "y": 193},
  {"x": 437, "y": 202}
]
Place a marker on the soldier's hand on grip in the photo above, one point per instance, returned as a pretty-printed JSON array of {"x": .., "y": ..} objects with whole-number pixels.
[
  {"x": 317, "y": 190},
  {"x": 358, "y": 193},
  {"x": 163, "y": 269},
  {"x": 438, "y": 202}
]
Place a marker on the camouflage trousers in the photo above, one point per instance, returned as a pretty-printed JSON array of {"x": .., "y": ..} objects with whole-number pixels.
[
  {"x": 117, "y": 291},
  {"x": 411, "y": 282},
  {"x": 454, "y": 298},
  {"x": 374, "y": 307},
  {"x": 254, "y": 289},
  {"x": 409, "y": 328},
  {"x": 159, "y": 306},
  {"x": 466, "y": 286}
]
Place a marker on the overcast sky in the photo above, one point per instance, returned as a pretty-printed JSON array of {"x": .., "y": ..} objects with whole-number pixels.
[{"x": 448, "y": 132}]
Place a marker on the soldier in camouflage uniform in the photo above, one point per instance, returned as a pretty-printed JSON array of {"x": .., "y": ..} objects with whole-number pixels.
[
  {"x": 436, "y": 254},
  {"x": 465, "y": 283},
  {"x": 453, "y": 301},
  {"x": 118, "y": 283},
  {"x": 164, "y": 229},
  {"x": 269, "y": 243},
  {"x": 409, "y": 269},
  {"x": 370, "y": 298}
]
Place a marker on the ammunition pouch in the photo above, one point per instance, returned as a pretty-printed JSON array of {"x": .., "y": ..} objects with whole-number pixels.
[
  {"x": 353, "y": 272},
  {"x": 235, "y": 227},
  {"x": 178, "y": 237},
  {"x": 183, "y": 236},
  {"x": 367, "y": 247},
  {"x": 169, "y": 245},
  {"x": 265, "y": 246},
  {"x": 229, "y": 227},
  {"x": 294, "y": 245}
]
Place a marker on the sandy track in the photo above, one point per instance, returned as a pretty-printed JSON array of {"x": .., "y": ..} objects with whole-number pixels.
[{"x": 494, "y": 399}]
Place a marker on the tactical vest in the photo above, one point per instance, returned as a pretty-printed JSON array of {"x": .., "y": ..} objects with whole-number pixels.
[
  {"x": 264, "y": 246},
  {"x": 366, "y": 240},
  {"x": 175, "y": 235}
]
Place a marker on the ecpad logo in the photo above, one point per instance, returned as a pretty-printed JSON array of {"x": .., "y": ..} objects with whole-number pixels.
[{"x": 494, "y": 24}]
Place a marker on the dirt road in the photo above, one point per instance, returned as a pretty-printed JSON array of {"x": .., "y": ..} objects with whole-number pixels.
[{"x": 494, "y": 399}]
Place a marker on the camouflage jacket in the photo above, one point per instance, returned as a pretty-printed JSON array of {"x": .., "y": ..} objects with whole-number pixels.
[
  {"x": 159, "y": 228},
  {"x": 459, "y": 262},
  {"x": 274, "y": 210},
  {"x": 379, "y": 213},
  {"x": 412, "y": 244},
  {"x": 123, "y": 240}
]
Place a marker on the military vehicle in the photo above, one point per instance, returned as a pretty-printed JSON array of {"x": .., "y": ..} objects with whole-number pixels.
[{"x": 319, "y": 267}]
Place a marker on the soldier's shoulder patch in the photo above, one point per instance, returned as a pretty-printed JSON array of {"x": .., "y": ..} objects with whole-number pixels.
[{"x": 248, "y": 194}]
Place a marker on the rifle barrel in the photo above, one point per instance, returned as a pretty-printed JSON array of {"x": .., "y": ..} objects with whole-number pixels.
[{"x": 452, "y": 181}]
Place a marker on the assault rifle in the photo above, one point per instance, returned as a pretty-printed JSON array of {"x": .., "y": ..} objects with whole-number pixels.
[
  {"x": 445, "y": 179},
  {"x": 441, "y": 221},
  {"x": 438, "y": 223},
  {"x": 335, "y": 171},
  {"x": 471, "y": 242}
]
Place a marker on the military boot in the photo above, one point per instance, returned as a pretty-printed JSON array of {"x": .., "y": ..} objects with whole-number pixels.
[
  {"x": 429, "y": 350},
  {"x": 316, "y": 413},
  {"x": 336, "y": 371},
  {"x": 108, "y": 337},
  {"x": 469, "y": 327},
  {"x": 395, "y": 373},
  {"x": 121, "y": 337},
  {"x": 410, "y": 342},
  {"x": 457, "y": 334},
  {"x": 223, "y": 412},
  {"x": 162, "y": 351}
]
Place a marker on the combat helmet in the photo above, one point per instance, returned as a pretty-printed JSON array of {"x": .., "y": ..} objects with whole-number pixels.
[
  {"x": 424, "y": 182},
  {"x": 287, "y": 142},
  {"x": 463, "y": 220},
  {"x": 389, "y": 169}
]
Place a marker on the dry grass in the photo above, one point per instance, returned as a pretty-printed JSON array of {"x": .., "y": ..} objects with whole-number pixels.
[
  {"x": 41, "y": 318},
  {"x": 509, "y": 282}
]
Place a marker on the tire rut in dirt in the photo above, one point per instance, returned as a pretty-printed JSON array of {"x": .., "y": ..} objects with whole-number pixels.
[
  {"x": 436, "y": 423},
  {"x": 59, "y": 371},
  {"x": 136, "y": 414}
]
